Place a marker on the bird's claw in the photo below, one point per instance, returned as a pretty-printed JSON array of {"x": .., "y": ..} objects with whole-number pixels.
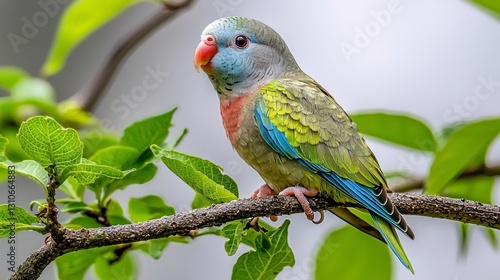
[
  {"x": 321, "y": 218},
  {"x": 300, "y": 193}
]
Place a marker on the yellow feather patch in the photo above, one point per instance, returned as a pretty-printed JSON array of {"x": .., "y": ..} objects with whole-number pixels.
[{"x": 320, "y": 130}]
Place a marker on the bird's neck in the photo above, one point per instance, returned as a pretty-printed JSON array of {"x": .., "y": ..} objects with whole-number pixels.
[{"x": 233, "y": 110}]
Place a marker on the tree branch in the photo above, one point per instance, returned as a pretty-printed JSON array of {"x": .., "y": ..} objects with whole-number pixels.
[
  {"x": 88, "y": 97},
  {"x": 182, "y": 223},
  {"x": 33, "y": 266}
]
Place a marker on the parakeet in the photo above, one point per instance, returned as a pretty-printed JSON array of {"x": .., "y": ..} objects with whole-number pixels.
[{"x": 291, "y": 130}]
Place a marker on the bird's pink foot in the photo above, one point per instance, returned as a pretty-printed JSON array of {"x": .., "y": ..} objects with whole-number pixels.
[
  {"x": 263, "y": 191},
  {"x": 300, "y": 193}
]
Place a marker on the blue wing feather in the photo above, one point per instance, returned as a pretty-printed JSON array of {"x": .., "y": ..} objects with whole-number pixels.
[{"x": 361, "y": 194}]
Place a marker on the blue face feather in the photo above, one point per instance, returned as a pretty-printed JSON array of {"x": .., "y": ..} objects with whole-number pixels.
[{"x": 237, "y": 68}]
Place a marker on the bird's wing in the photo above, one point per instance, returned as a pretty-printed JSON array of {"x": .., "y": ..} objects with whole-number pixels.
[{"x": 301, "y": 121}]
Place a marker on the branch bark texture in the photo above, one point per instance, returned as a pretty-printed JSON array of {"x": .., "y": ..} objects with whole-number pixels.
[{"x": 182, "y": 223}]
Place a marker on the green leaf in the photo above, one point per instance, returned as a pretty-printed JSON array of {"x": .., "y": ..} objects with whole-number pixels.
[
  {"x": 234, "y": 232},
  {"x": 87, "y": 172},
  {"x": 29, "y": 96},
  {"x": 491, "y": 234},
  {"x": 30, "y": 169},
  {"x": 478, "y": 188},
  {"x": 203, "y": 176},
  {"x": 269, "y": 259},
  {"x": 139, "y": 176},
  {"x": 34, "y": 90},
  {"x": 199, "y": 201},
  {"x": 464, "y": 238},
  {"x": 448, "y": 130},
  {"x": 10, "y": 76},
  {"x": 141, "y": 135},
  {"x": 148, "y": 207},
  {"x": 251, "y": 235},
  {"x": 72, "y": 113},
  {"x": 350, "y": 254},
  {"x": 48, "y": 142},
  {"x": 396, "y": 174},
  {"x": 76, "y": 207},
  {"x": 80, "y": 19},
  {"x": 6, "y": 110},
  {"x": 491, "y": 5},
  {"x": 398, "y": 129},
  {"x": 122, "y": 269},
  {"x": 465, "y": 147},
  {"x": 96, "y": 140},
  {"x": 74, "y": 265},
  {"x": 114, "y": 208},
  {"x": 16, "y": 218},
  {"x": 115, "y": 213},
  {"x": 155, "y": 247},
  {"x": 81, "y": 178},
  {"x": 3, "y": 176},
  {"x": 73, "y": 189},
  {"x": 3, "y": 143},
  {"x": 116, "y": 156},
  {"x": 79, "y": 222},
  {"x": 15, "y": 153}
]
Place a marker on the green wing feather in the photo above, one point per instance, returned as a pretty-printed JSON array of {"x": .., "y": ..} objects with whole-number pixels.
[
  {"x": 320, "y": 130},
  {"x": 327, "y": 140}
]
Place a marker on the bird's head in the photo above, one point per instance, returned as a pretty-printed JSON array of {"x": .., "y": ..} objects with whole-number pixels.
[{"x": 241, "y": 54}]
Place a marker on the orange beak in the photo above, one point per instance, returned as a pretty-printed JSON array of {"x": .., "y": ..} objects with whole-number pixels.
[{"x": 206, "y": 50}]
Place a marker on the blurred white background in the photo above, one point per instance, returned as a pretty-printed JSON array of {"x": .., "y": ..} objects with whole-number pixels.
[{"x": 427, "y": 60}]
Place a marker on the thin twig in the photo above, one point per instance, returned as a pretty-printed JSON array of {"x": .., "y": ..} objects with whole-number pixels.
[
  {"x": 410, "y": 184},
  {"x": 182, "y": 223},
  {"x": 89, "y": 96}
]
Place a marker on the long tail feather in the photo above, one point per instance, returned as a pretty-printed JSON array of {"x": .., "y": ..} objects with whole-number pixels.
[
  {"x": 389, "y": 234},
  {"x": 350, "y": 218}
]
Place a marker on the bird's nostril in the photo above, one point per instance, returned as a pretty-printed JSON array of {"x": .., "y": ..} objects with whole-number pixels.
[{"x": 209, "y": 40}]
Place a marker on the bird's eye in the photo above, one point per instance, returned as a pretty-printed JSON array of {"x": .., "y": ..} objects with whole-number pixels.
[{"x": 241, "y": 41}]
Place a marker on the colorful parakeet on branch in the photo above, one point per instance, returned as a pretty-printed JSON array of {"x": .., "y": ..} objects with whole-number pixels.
[{"x": 291, "y": 130}]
